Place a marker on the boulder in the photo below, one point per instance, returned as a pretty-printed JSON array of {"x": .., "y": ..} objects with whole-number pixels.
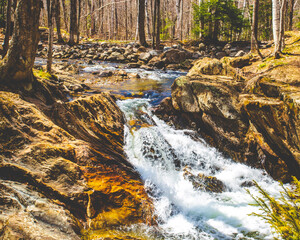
[
  {"x": 174, "y": 56},
  {"x": 202, "y": 47},
  {"x": 240, "y": 53},
  {"x": 116, "y": 56},
  {"x": 145, "y": 57},
  {"x": 220, "y": 55},
  {"x": 106, "y": 74},
  {"x": 203, "y": 182},
  {"x": 207, "y": 66}
]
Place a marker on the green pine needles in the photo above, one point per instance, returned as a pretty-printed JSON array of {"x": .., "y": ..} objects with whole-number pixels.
[{"x": 283, "y": 213}]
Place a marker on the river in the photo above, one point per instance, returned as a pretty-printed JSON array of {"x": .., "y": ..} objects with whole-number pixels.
[{"x": 162, "y": 154}]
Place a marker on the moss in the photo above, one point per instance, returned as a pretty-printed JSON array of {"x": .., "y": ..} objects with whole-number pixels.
[{"x": 43, "y": 74}]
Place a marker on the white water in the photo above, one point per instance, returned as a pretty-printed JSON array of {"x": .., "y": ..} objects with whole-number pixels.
[{"x": 183, "y": 212}]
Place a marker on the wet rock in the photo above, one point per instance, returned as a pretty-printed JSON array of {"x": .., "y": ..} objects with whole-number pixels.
[
  {"x": 134, "y": 75},
  {"x": 133, "y": 65},
  {"x": 156, "y": 62},
  {"x": 106, "y": 74},
  {"x": 204, "y": 183}
]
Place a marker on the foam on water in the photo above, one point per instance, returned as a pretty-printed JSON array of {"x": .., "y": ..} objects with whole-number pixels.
[{"x": 160, "y": 153}]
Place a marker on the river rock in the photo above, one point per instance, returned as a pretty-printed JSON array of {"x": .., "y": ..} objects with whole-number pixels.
[
  {"x": 202, "y": 182},
  {"x": 145, "y": 57},
  {"x": 202, "y": 47},
  {"x": 174, "y": 56},
  {"x": 240, "y": 53},
  {"x": 116, "y": 56},
  {"x": 106, "y": 74}
]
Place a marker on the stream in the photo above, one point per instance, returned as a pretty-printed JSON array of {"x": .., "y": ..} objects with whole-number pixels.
[{"x": 161, "y": 154}]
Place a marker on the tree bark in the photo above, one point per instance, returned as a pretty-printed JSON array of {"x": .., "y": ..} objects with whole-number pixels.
[
  {"x": 141, "y": 23},
  {"x": 276, "y": 21},
  {"x": 57, "y": 20},
  {"x": 78, "y": 22},
  {"x": 281, "y": 26},
  {"x": 73, "y": 21},
  {"x": 7, "y": 28},
  {"x": 178, "y": 17},
  {"x": 147, "y": 19},
  {"x": 16, "y": 67},
  {"x": 64, "y": 13},
  {"x": 291, "y": 15},
  {"x": 254, "y": 41},
  {"x": 52, "y": 8},
  {"x": 158, "y": 25}
]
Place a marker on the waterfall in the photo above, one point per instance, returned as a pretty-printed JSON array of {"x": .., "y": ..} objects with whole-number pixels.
[{"x": 163, "y": 155}]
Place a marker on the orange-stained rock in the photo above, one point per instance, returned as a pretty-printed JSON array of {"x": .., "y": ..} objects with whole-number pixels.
[{"x": 63, "y": 169}]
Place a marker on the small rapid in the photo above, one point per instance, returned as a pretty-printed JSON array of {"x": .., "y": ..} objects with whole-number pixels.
[{"x": 162, "y": 154}]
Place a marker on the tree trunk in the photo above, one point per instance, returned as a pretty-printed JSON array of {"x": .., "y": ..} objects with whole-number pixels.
[
  {"x": 276, "y": 22},
  {"x": 157, "y": 25},
  {"x": 154, "y": 24},
  {"x": 57, "y": 20},
  {"x": 65, "y": 13},
  {"x": 147, "y": 19},
  {"x": 17, "y": 65},
  {"x": 141, "y": 23},
  {"x": 254, "y": 41},
  {"x": 78, "y": 22},
  {"x": 126, "y": 21},
  {"x": 52, "y": 8},
  {"x": 291, "y": 15},
  {"x": 281, "y": 26},
  {"x": 73, "y": 21},
  {"x": 7, "y": 28},
  {"x": 178, "y": 17}
]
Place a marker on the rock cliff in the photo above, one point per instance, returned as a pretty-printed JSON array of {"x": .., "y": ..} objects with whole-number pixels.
[
  {"x": 254, "y": 119},
  {"x": 63, "y": 169}
]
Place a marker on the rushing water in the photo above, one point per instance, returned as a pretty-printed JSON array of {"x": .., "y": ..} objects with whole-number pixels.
[{"x": 161, "y": 154}]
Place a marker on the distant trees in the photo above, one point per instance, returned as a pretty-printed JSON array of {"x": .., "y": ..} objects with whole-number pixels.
[
  {"x": 216, "y": 18},
  {"x": 17, "y": 65}
]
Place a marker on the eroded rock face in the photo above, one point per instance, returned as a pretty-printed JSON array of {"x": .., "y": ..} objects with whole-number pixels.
[
  {"x": 65, "y": 169},
  {"x": 254, "y": 121}
]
